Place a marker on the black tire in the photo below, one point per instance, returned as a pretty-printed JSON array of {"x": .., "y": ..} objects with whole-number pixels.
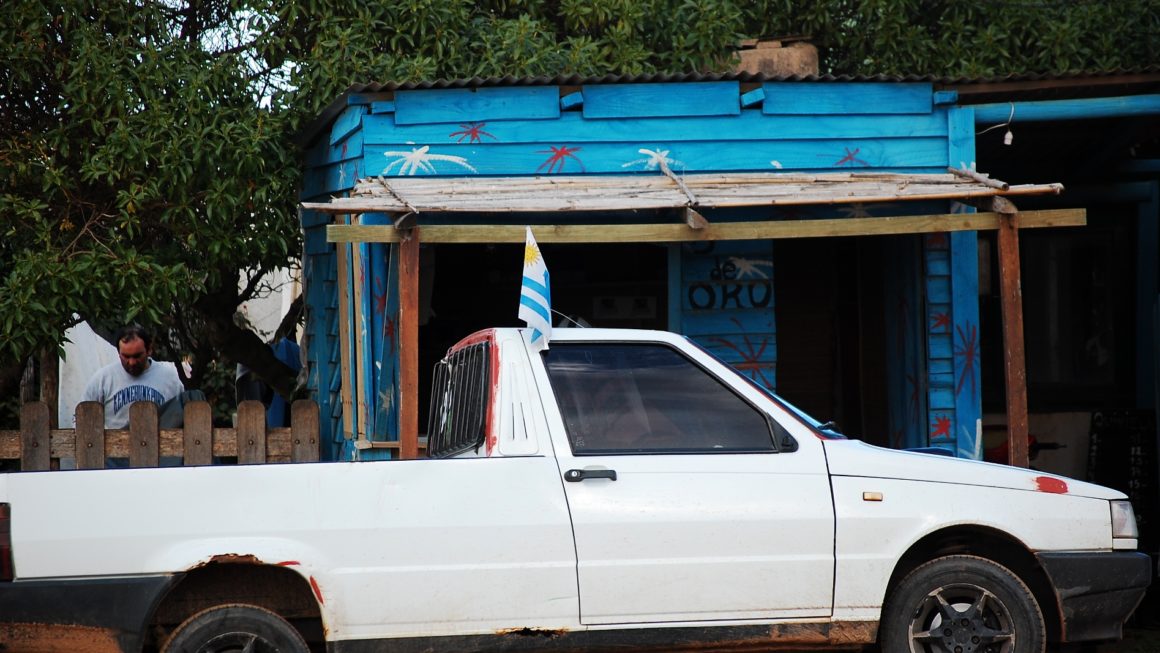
[
  {"x": 235, "y": 628},
  {"x": 961, "y": 604}
]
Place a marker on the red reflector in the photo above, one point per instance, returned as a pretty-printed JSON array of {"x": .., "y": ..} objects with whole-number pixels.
[{"x": 6, "y": 570}]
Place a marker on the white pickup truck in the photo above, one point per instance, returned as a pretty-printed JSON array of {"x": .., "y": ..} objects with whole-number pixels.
[{"x": 622, "y": 490}]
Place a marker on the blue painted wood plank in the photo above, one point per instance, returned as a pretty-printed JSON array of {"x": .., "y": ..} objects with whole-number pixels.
[
  {"x": 662, "y": 100},
  {"x": 349, "y": 148},
  {"x": 571, "y": 101},
  {"x": 466, "y": 104},
  {"x": 945, "y": 97},
  {"x": 1084, "y": 108},
  {"x": 942, "y": 380},
  {"x": 812, "y": 98},
  {"x": 941, "y": 399},
  {"x": 753, "y": 98},
  {"x": 569, "y": 158},
  {"x": 964, "y": 258},
  {"x": 726, "y": 304},
  {"x": 386, "y": 106},
  {"x": 941, "y": 366},
  {"x": 348, "y": 122},
  {"x": 333, "y": 179},
  {"x": 939, "y": 346},
  {"x": 938, "y": 262},
  {"x": 961, "y": 137},
  {"x": 938, "y": 289},
  {"x": 750, "y": 125}
]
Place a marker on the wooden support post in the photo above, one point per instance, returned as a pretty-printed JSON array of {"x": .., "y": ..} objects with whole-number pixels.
[
  {"x": 344, "y": 330},
  {"x": 409, "y": 345},
  {"x": 358, "y": 325},
  {"x": 1015, "y": 371}
]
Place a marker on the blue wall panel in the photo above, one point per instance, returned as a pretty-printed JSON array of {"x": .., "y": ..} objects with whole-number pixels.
[
  {"x": 469, "y": 105},
  {"x": 662, "y": 100},
  {"x": 750, "y": 125},
  {"x": 817, "y": 98},
  {"x": 698, "y": 156},
  {"x": 726, "y": 295}
]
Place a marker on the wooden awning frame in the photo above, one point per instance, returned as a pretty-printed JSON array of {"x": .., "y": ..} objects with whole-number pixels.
[{"x": 406, "y": 199}]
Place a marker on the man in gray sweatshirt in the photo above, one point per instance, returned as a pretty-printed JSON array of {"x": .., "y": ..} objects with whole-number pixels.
[{"x": 137, "y": 377}]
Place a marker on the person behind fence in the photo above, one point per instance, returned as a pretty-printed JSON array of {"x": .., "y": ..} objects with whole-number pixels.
[{"x": 137, "y": 377}]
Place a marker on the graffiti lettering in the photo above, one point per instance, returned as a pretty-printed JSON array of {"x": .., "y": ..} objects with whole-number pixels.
[{"x": 745, "y": 294}]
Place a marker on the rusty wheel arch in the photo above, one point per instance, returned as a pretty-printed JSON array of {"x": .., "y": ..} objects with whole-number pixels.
[
  {"x": 993, "y": 545},
  {"x": 239, "y": 579}
]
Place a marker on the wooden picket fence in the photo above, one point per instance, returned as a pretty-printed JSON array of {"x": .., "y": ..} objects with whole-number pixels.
[{"x": 39, "y": 447}]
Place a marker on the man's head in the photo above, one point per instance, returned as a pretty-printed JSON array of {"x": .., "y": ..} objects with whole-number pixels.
[{"x": 134, "y": 346}]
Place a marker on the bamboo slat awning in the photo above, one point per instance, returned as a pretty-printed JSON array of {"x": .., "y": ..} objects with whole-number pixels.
[{"x": 660, "y": 191}]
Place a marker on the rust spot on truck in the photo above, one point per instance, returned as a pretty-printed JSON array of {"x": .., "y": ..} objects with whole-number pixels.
[
  {"x": 236, "y": 559},
  {"x": 546, "y": 633},
  {"x": 55, "y": 638}
]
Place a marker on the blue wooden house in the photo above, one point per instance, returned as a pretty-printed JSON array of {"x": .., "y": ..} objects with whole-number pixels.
[{"x": 808, "y": 232}]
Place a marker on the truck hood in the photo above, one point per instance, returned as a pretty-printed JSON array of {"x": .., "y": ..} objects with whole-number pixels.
[{"x": 855, "y": 458}]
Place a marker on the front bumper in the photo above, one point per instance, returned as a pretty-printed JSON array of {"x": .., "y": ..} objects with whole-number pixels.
[
  {"x": 1096, "y": 592},
  {"x": 107, "y": 614}
]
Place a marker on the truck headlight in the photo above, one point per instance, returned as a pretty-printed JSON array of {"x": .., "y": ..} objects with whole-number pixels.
[{"x": 1124, "y": 521}]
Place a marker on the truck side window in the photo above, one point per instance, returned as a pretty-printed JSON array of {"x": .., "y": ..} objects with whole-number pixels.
[
  {"x": 460, "y": 395},
  {"x": 646, "y": 398}
]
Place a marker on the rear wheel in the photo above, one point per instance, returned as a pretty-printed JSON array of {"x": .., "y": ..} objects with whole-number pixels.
[
  {"x": 235, "y": 628},
  {"x": 962, "y": 604}
]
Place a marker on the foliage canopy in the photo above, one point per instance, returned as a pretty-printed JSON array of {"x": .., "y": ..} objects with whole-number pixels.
[{"x": 146, "y": 146}]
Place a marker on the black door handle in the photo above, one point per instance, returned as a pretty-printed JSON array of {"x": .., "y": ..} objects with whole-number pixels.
[{"x": 577, "y": 475}]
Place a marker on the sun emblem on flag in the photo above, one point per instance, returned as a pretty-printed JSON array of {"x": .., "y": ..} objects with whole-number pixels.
[{"x": 531, "y": 255}]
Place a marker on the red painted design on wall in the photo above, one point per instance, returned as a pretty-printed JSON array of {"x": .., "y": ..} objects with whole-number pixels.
[
  {"x": 937, "y": 241},
  {"x": 472, "y": 132},
  {"x": 750, "y": 353},
  {"x": 942, "y": 427},
  {"x": 966, "y": 352},
  {"x": 851, "y": 158},
  {"x": 560, "y": 155},
  {"x": 940, "y": 321}
]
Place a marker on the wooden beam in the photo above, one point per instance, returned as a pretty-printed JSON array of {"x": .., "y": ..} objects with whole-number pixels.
[
  {"x": 344, "y": 340},
  {"x": 671, "y": 233},
  {"x": 408, "y": 343},
  {"x": 358, "y": 328},
  {"x": 1015, "y": 372}
]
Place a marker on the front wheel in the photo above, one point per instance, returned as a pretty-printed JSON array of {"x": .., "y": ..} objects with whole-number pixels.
[
  {"x": 962, "y": 604},
  {"x": 235, "y": 628}
]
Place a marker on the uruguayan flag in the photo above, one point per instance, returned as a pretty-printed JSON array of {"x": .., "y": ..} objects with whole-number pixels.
[{"x": 536, "y": 295}]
